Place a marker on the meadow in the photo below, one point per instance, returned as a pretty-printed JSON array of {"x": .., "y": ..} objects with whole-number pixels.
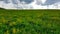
[{"x": 29, "y": 21}]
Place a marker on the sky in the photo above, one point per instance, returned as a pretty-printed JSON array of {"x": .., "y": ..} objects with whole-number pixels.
[
  {"x": 34, "y": 4},
  {"x": 50, "y": 2}
]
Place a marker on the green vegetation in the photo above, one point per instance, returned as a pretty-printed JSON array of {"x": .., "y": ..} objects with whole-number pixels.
[{"x": 29, "y": 21}]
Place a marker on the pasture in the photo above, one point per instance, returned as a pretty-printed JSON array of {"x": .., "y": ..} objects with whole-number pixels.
[{"x": 29, "y": 21}]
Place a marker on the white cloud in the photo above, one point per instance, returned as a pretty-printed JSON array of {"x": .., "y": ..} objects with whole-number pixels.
[{"x": 32, "y": 5}]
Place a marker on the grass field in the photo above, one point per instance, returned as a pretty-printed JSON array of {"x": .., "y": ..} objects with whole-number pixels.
[{"x": 29, "y": 21}]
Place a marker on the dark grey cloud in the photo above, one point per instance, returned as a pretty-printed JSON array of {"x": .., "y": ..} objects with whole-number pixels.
[
  {"x": 26, "y": 1},
  {"x": 6, "y": 1},
  {"x": 14, "y": 2},
  {"x": 50, "y": 2}
]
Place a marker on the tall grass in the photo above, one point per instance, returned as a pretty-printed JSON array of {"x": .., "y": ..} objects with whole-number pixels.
[{"x": 29, "y": 21}]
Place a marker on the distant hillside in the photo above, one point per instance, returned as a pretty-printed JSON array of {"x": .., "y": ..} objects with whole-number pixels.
[{"x": 2, "y": 8}]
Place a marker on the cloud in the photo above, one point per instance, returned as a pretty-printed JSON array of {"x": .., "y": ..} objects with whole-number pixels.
[{"x": 36, "y": 4}]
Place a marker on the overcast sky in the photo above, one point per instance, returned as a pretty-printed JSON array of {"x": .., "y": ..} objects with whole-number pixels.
[{"x": 47, "y": 2}]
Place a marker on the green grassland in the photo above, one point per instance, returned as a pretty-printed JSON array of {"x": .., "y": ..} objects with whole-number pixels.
[{"x": 29, "y": 21}]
